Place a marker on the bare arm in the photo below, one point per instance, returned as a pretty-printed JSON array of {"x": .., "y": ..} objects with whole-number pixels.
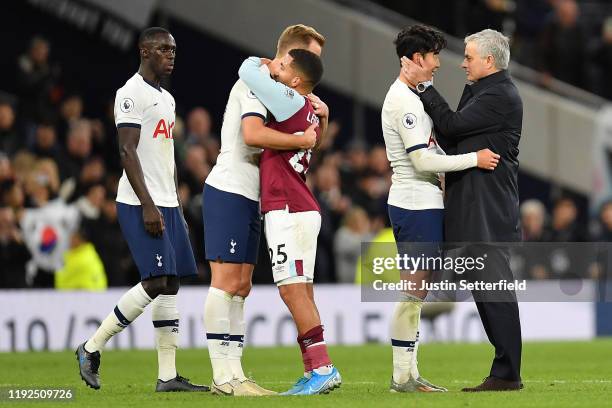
[
  {"x": 128, "y": 142},
  {"x": 256, "y": 134}
]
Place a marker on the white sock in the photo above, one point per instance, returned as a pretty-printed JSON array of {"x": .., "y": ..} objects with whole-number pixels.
[
  {"x": 217, "y": 322},
  {"x": 165, "y": 318},
  {"x": 129, "y": 307},
  {"x": 324, "y": 370},
  {"x": 404, "y": 337},
  {"x": 237, "y": 329}
]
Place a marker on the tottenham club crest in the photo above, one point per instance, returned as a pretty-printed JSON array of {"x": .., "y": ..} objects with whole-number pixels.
[
  {"x": 409, "y": 121},
  {"x": 233, "y": 248},
  {"x": 127, "y": 105}
]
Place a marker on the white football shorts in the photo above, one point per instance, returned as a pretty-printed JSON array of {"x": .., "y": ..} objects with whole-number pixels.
[{"x": 292, "y": 244}]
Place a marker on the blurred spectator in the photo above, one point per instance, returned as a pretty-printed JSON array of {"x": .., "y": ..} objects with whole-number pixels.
[
  {"x": 328, "y": 193},
  {"x": 213, "y": 147},
  {"x": 92, "y": 173},
  {"x": 90, "y": 205},
  {"x": 603, "y": 60},
  {"x": 355, "y": 229},
  {"x": 196, "y": 168},
  {"x": 13, "y": 253},
  {"x": 564, "y": 226},
  {"x": 533, "y": 217},
  {"x": 481, "y": 14},
  {"x": 45, "y": 143},
  {"x": 12, "y": 195},
  {"x": 42, "y": 183},
  {"x": 333, "y": 206},
  {"x": 71, "y": 111},
  {"x": 10, "y": 142},
  {"x": 530, "y": 16},
  {"x": 105, "y": 234},
  {"x": 353, "y": 167},
  {"x": 199, "y": 126},
  {"x": 83, "y": 269},
  {"x": 563, "y": 45},
  {"x": 531, "y": 261},
  {"x": 373, "y": 187},
  {"x": 37, "y": 81},
  {"x": 605, "y": 223},
  {"x": 23, "y": 163},
  {"x": 6, "y": 172},
  {"x": 78, "y": 146}
]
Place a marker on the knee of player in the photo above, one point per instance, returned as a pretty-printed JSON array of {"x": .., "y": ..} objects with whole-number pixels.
[
  {"x": 172, "y": 286},
  {"x": 287, "y": 293},
  {"x": 154, "y": 286},
  {"x": 245, "y": 288},
  {"x": 232, "y": 285}
]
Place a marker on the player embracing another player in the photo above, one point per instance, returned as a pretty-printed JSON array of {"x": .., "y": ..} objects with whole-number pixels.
[
  {"x": 415, "y": 203},
  {"x": 291, "y": 213},
  {"x": 232, "y": 223}
]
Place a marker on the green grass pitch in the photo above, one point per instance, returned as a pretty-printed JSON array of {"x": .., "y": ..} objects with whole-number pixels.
[{"x": 559, "y": 374}]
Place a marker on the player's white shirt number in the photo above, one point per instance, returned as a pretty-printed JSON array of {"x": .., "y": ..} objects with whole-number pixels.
[{"x": 297, "y": 159}]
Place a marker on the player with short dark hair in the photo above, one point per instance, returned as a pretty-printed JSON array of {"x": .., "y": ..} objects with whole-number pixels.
[
  {"x": 291, "y": 213},
  {"x": 149, "y": 212},
  {"x": 415, "y": 202}
]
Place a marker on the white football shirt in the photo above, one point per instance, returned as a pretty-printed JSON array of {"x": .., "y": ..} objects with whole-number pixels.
[
  {"x": 406, "y": 127},
  {"x": 143, "y": 105},
  {"x": 237, "y": 167}
]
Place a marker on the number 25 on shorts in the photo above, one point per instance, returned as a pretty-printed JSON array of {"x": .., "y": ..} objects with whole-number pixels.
[{"x": 281, "y": 257}]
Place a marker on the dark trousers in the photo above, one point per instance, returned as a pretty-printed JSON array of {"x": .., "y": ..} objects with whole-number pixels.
[{"x": 499, "y": 312}]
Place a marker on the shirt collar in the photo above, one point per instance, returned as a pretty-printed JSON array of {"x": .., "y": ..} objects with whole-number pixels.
[
  {"x": 489, "y": 80},
  {"x": 157, "y": 87},
  {"x": 414, "y": 91}
]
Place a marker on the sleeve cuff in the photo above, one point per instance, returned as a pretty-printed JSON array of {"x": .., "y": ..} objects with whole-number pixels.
[
  {"x": 416, "y": 147},
  {"x": 474, "y": 159},
  {"x": 130, "y": 125},
  {"x": 253, "y": 114}
]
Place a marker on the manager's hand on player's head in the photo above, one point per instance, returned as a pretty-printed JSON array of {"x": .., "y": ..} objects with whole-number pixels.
[
  {"x": 413, "y": 73},
  {"x": 153, "y": 220},
  {"x": 487, "y": 159}
]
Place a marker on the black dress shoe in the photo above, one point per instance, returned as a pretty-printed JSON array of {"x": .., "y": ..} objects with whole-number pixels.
[{"x": 495, "y": 384}]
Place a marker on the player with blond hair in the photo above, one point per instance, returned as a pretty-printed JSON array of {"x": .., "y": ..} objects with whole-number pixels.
[{"x": 232, "y": 222}]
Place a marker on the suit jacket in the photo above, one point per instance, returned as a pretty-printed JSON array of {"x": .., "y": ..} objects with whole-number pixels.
[{"x": 481, "y": 205}]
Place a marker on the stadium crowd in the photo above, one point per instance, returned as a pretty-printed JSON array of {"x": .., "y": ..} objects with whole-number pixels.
[
  {"x": 59, "y": 172},
  {"x": 568, "y": 40}
]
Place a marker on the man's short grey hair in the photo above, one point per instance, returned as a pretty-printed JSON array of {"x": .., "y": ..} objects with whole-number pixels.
[
  {"x": 533, "y": 206},
  {"x": 491, "y": 42}
]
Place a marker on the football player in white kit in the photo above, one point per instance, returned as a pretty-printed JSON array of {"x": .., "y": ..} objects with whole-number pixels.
[
  {"x": 232, "y": 221},
  {"x": 149, "y": 212},
  {"x": 415, "y": 202}
]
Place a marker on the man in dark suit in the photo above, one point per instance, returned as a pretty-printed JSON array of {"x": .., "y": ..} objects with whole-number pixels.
[{"x": 483, "y": 206}]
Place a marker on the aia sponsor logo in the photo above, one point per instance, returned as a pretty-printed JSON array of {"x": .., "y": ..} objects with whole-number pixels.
[{"x": 164, "y": 129}]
